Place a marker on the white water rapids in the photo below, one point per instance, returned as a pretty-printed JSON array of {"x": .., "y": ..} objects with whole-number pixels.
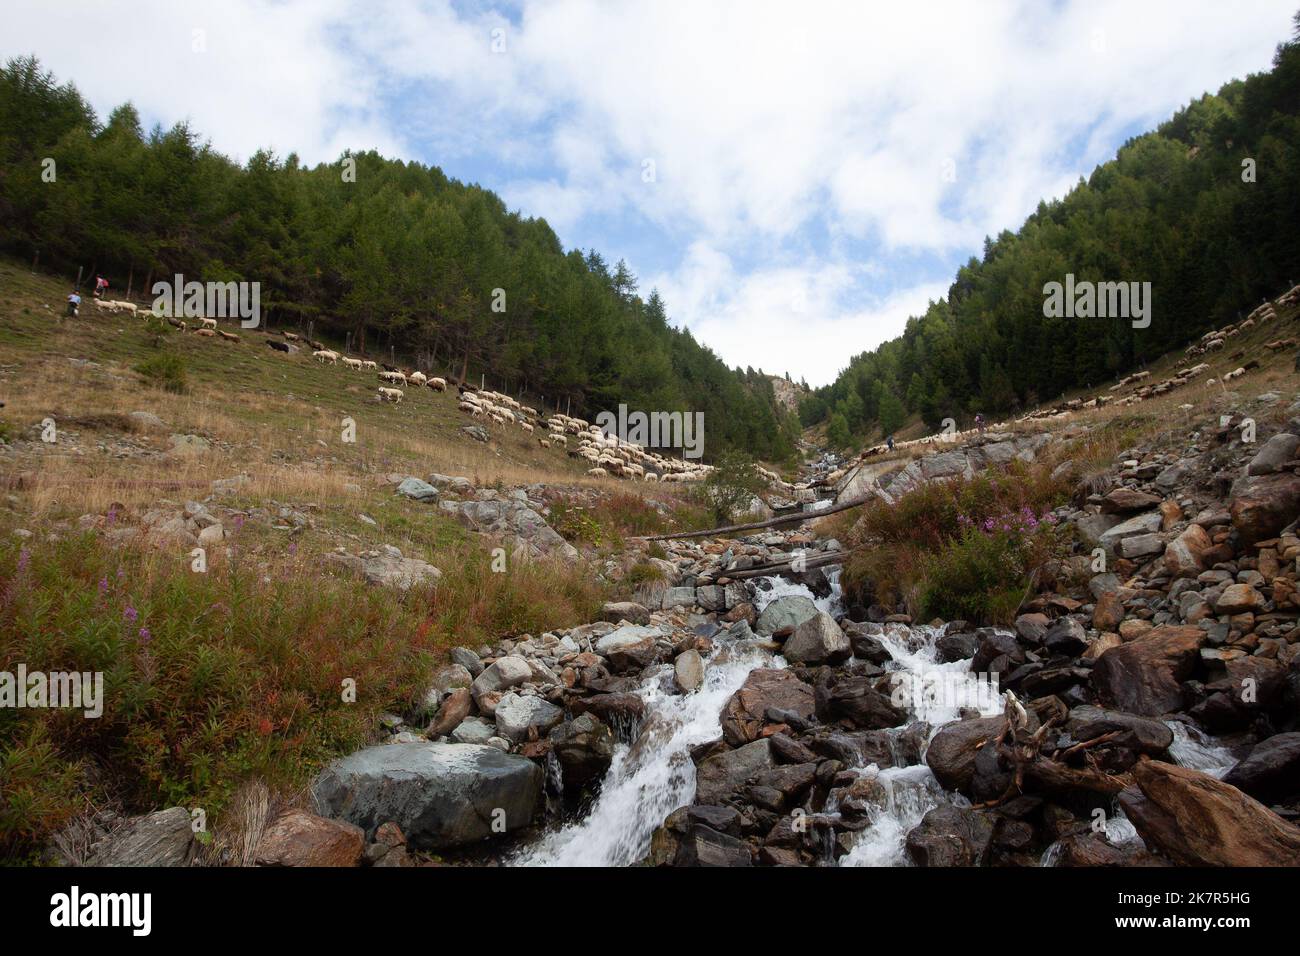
[{"x": 654, "y": 775}]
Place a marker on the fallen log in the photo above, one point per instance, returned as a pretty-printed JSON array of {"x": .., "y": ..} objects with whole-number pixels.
[
  {"x": 780, "y": 567},
  {"x": 795, "y": 518}
]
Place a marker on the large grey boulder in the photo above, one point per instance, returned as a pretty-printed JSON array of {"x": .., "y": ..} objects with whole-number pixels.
[
  {"x": 719, "y": 775},
  {"x": 418, "y": 490},
  {"x": 516, "y": 715},
  {"x": 630, "y": 647},
  {"x": 502, "y": 674},
  {"x": 439, "y": 795},
  {"x": 788, "y": 611},
  {"x": 818, "y": 640}
]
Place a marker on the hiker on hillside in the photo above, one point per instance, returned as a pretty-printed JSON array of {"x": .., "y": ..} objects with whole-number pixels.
[
  {"x": 74, "y": 301},
  {"x": 101, "y": 286},
  {"x": 979, "y": 423},
  {"x": 889, "y": 442}
]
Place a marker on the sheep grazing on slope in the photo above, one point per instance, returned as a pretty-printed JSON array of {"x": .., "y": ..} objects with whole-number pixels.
[
  {"x": 206, "y": 332},
  {"x": 397, "y": 378},
  {"x": 417, "y": 379},
  {"x": 352, "y": 363},
  {"x": 326, "y": 355},
  {"x": 370, "y": 365},
  {"x": 438, "y": 384},
  {"x": 228, "y": 336},
  {"x": 279, "y": 346},
  {"x": 393, "y": 395},
  {"x": 291, "y": 336},
  {"x": 209, "y": 323}
]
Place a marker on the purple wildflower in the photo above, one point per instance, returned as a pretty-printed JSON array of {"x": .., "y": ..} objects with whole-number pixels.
[
  {"x": 145, "y": 636},
  {"x": 130, "y": 614},
  {"x": 24, "y": 558}
]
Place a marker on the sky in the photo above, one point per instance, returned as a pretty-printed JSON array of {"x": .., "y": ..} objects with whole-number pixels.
[{"x": 796, "y": 179}]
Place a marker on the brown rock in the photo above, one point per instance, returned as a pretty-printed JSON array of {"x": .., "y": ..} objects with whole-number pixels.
[
  {"x": 455, "y": 708},
  {"x": 1237, "y": 599},
  {"x": 1144, "y": 675},
  {"x": 1108, "y": 613},
  {"x": 1266, "y": 507},
  {"x": 742, "y": 612},
  {"x": 1133, "y": 628},
  {"x": 743, "y": 717},
  {"x": 298, "y": 838},
  {"x": 1104, "y": 642},
  {"x": 1198, "y": 820},
  {"x": 1185, "y": 555}
]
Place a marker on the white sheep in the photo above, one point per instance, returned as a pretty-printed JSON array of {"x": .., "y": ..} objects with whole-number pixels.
[
  {"x": 205, "y": 332},
  {"x": 326, "y": 355},
  {"x": 209, "y": 323},
  {"x": 393, "y": 395},
  {"x": 417, "y": 378},
  {"x": 439, "y": 385},
  {"x": 352, "y": 363}
]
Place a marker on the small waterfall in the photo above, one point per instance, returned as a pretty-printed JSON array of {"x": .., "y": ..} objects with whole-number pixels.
[
  {"x": 768, "y": 590},
  {"x": 910, "y": 793},
  {"x": 935, "y": 694},
  {"x": 654, "y": 775},
  {"x": 1198, "y": 751}
]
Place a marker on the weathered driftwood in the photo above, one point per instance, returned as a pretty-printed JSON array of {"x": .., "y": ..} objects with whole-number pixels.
[
  {"x": 794, "y": 518},
  {"x": 780, "y": 567}
]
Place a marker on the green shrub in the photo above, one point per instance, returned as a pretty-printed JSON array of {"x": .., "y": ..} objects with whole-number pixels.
[
  {"x": 986, "y": 573},
  {"x": 165, "y": 371}
]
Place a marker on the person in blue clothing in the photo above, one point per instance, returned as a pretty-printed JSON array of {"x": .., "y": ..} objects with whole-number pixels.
[
  {"x": 889, "y": 442},
  {"x": 74, "y": 302}
]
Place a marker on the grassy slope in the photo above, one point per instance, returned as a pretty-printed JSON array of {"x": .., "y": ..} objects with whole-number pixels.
[{"x": 232, "y": 676}]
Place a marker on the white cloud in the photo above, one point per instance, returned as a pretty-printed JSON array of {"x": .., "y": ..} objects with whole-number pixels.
[
  {"x": 775, "y": 130},
  {"x": 790, "y": 318}
]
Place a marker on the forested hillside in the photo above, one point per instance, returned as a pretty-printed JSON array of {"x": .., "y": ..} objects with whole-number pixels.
[
  {"x": 1179, "y": 208},
  {"x": 398, "y": 255}
]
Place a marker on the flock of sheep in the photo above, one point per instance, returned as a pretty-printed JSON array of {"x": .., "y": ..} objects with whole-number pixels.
[
  {"x": 393, "y": 376},
  {"x": 207, "y": 327},
  {"x": 1212, "y": 341},
  {"x": 607, "y": 455}
]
